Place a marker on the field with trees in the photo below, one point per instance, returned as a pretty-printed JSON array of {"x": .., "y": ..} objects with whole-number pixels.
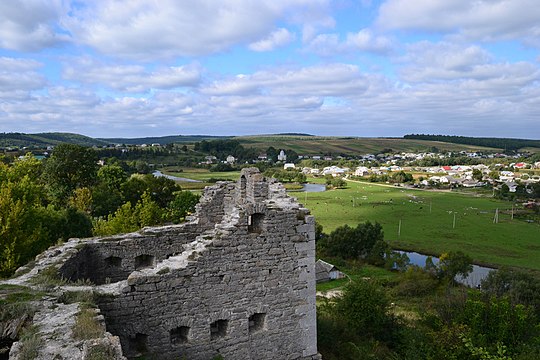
[
  {"x": 433, "y": 222},
  {"x": 319, "y": 145}
]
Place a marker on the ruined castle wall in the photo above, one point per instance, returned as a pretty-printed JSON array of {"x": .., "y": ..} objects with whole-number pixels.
[
  {"x": 112, "y": 259},
  {"x": 237, "y": 280},
  {"x": 248, "y": 294}
]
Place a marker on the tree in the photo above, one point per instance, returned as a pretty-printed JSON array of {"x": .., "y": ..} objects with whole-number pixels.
[
  {"x": 364, "y": 307},
  {"x": 477, "y": 175},
  {"x": 112, "y": 175},
  {"x": 401, "y": 177},
  {"x": 454, "y": 263},
  {"x": 70, "y": 167},
  {"x": 519, "y": 286},
  {"x": 183, "y": 204},
  {"x": 355, "y": 243}
]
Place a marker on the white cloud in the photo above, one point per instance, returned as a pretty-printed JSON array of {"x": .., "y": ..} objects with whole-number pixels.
[
  {"x": 481, "y": 19},
  {"x": 19, "y": 75},
  {"x": 323, "y": 80},
  {"x": 364, "y": 40},
  {"x": 131, "y": 78},
  {"x": 30, "y": 25},
  {"x": 435, "y": 62},
  {"x": 153, "y": 30},
  {"x": 276, "y": 39}
]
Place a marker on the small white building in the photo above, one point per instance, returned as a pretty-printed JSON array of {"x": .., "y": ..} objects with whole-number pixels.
[
  {"x": 361, "y": 171},
  {"x": 282, "y": 156},
  {"x": 289, "y": 166},
  {"x": 230, "y": 159},
  {"x": 325, "y": 271}
]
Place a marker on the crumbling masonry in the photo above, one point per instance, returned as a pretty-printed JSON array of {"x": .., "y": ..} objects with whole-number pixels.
[{"x": 236, "y": 280}]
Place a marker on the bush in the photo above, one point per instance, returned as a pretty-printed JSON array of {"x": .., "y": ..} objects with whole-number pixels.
[
  {"x": 364, "y": 307},
  {"x": 415, "y": 281}
]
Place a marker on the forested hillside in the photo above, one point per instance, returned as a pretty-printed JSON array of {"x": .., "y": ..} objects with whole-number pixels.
[{"x": 46, "y": 139}]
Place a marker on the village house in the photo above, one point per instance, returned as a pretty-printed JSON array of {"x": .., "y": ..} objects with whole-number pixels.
[
  {"x": 325, "y": 272},
  {"x": 361, "y": 171},
  {"x": 230, "y": 159},
  {"x": 289, "y": 166}
]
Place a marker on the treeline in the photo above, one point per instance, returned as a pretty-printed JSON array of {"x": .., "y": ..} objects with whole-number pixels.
[
  {"x": 500, "y": 143},
  {"x": 46, "y": 139},
  {"x": 70, "y": 195},
  {"x": 223, "y": 148}
]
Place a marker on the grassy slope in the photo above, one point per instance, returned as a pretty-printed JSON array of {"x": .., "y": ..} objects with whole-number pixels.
[
  {"x": 47, "y": 139},
  {"x": 316, "y": 145},
  {"x": 510, "y": 242}
]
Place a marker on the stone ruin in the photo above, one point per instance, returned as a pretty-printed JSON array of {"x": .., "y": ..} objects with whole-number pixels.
[{"x": 237, "y": 280}]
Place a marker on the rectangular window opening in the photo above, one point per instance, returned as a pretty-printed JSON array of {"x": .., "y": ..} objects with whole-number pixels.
[
  {"x": 255, "y": 223},
  {"x": 257, "y": 322},
  {"x": 218, "y": 328},
  {"x": 143, "y": 261},
  {"x": 139, "y": 344},
  {"x": 180, "y": 335}
]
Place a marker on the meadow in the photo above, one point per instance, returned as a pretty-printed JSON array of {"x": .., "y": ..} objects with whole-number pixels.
[{"x": 432, "y": 222}]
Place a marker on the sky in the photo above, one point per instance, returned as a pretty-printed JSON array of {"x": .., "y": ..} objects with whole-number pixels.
[{"x": 368, "y": 68}]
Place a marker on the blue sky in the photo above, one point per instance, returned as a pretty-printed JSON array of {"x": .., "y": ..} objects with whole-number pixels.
[{"x": 132, "y": 68}]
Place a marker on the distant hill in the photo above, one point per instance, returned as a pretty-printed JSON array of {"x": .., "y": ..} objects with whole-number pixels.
[
  {"x": 321, "y": 145},
  {"x": 303, "y": 144},
  {"x": 502, "y": 143},
  {"x": 46, "y": 139},
  {"x": 163, "y": 140}
]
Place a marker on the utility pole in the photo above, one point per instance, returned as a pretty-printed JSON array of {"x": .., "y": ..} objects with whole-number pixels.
[
  {"x": 399, "y": 229},
  {"x": 512, "y": 211},
  {"x": 454, "y": 223},
  {"x": 496, "y": 217}
]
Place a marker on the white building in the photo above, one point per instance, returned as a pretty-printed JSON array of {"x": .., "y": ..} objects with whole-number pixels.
[
  {"x": 361, "y": 171},
  {"x": 282, "y": 156},
  {"x": 231, "y": 159}
]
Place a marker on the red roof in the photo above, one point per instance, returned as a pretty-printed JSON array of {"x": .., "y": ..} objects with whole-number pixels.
[{"x": 447, "y": 168}]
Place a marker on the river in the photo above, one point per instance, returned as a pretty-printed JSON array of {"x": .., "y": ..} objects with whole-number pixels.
[
  {"x": 313, "y": 188},
  {"x": 158, "y": 173},
  {"x": 474, "y": 279}
]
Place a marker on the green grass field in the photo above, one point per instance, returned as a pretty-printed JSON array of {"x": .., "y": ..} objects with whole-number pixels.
[
  {"x": 427, "y": 222},
  {"x": 317, "y": 145}
]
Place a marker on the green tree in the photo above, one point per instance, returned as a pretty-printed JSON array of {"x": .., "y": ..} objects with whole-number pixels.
[
  {"x": 70, "y": 167},
  {"x": 401, "y": 177},
  {"x": 182, "y": 205},
  {"x": 454, "y": 263},
  {"x": 112, "y": 175},
  {"x": 364, "y": 307},
  {"x": 355, "y": 243}
]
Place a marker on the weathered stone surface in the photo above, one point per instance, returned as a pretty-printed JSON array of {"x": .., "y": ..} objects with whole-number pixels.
[{"x": 237, "y": 280}]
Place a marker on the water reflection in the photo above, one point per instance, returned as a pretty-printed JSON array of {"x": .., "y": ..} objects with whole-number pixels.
[{"x": 474, "y": 279}]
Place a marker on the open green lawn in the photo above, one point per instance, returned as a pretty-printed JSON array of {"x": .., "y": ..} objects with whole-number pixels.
[{"x": 427, "y": 222}]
